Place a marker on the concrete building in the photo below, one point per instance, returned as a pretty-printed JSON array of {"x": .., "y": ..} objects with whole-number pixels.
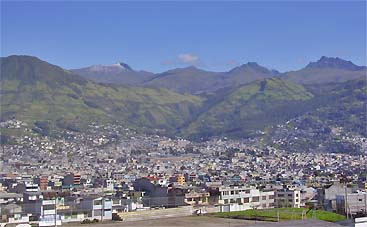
[
  {"x": 353, "y": 203},
  {"x": 288, "y": 197},
  {"x": 99, "y": 207},
  {"x": 236, "y": 198},
  {"x": 71, "y": 180},
  {"x": 197, "y": 198},
  {"x": 326, "y": 196},
  {"x": 180, "y": 179}
]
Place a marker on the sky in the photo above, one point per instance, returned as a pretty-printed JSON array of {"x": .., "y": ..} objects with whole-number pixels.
[{"x": 156, "y": 36}]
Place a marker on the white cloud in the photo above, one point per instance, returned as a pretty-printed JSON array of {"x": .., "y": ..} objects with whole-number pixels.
[{"x": 188, "y": 58}]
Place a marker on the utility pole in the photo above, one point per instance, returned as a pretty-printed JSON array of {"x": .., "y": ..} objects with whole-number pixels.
[
  {"x": 55, "y": 211},
  {"x": 346, "y": 201},
  {"x": 102, "y": 213},
  {"x": 365, "y": 203}
]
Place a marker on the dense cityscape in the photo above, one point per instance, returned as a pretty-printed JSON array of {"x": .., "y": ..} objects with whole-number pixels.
[
  {"x": 183, "y": 113},
  {"x": 133, "y": 173}
]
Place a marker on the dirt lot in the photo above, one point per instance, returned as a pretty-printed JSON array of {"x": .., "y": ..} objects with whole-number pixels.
[
  {"x": 191, "y": 221},
  {"x": 195, "y": 221}
]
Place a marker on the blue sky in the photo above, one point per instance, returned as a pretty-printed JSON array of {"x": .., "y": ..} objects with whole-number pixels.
[{"x": 157, "y": 36}]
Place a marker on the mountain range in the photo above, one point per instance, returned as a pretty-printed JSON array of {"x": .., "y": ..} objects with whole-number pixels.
[
  {"x": 119, "y": 73},
  {"x": 188, "y": 102},
  {"x": 195, "y": 81}
]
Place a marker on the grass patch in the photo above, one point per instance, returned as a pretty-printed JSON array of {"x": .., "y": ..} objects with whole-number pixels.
[{"x": 285, "y": 214}]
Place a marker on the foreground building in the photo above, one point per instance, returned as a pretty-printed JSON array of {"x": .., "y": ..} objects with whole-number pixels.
[
  {"x": 352, "y": 203},
  {"x": 237, "y": 198},
  {"x": 288, "y": 197}
]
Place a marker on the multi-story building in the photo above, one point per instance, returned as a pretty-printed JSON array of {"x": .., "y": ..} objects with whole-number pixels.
[
  {"x": 236, "y": 198},
  {"x": 326, "y": 196},
  {"x": 71, "y": 180},
  {"x": 288, "y": 197},
  {"x": 352, "y": 203},
  {"x": 30, "y": 187},
  {"x": 197, "y": 198},
  {"x": 49, "y": 216},
  {"x": 99, "y": 207},
  {"x": 43, "y": 183},
  {"x": 180, "y": 180}
]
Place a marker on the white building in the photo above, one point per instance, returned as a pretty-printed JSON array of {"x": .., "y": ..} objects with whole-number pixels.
[
  {"x": 236, "y": 198},
  {"x": 288, "y": 197}
]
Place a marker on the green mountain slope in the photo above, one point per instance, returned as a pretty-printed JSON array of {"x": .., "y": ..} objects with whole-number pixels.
[
  {"x": 196, "y": 81},
  {"x": 336, "y": 123},
  {"x": 48, "y": 97},
  {"x": 33, "y": 90},
  {"x": 249, "y": 108},
  {"x": 342, "y": 105}
]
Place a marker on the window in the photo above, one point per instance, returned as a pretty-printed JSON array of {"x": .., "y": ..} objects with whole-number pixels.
[
  {"x": 233, "y": 200},
  {"x": 246, "y": 200},
  {"x": 271, "y": 196},
  {"x": 256, "y": 199},
  {"x": 263, "y": 197},
  {"x": 97, "y": 212},
  {"x": 225, "y": 201},
  {"x": 97, "y": 202},
  {"x": 49, "y": 207},
  {"x": 232, "y": 192}
]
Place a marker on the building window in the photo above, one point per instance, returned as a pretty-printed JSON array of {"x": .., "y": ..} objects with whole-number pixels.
[
  {"x": 246, "y": 200},
  {"x": 263, "y": 197},
  {"x": 97, "y": 202},
  {"x": 97, "y": 212},
  {"x": 256, "y": 199},
  {"x": 49, "y": 207}
]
